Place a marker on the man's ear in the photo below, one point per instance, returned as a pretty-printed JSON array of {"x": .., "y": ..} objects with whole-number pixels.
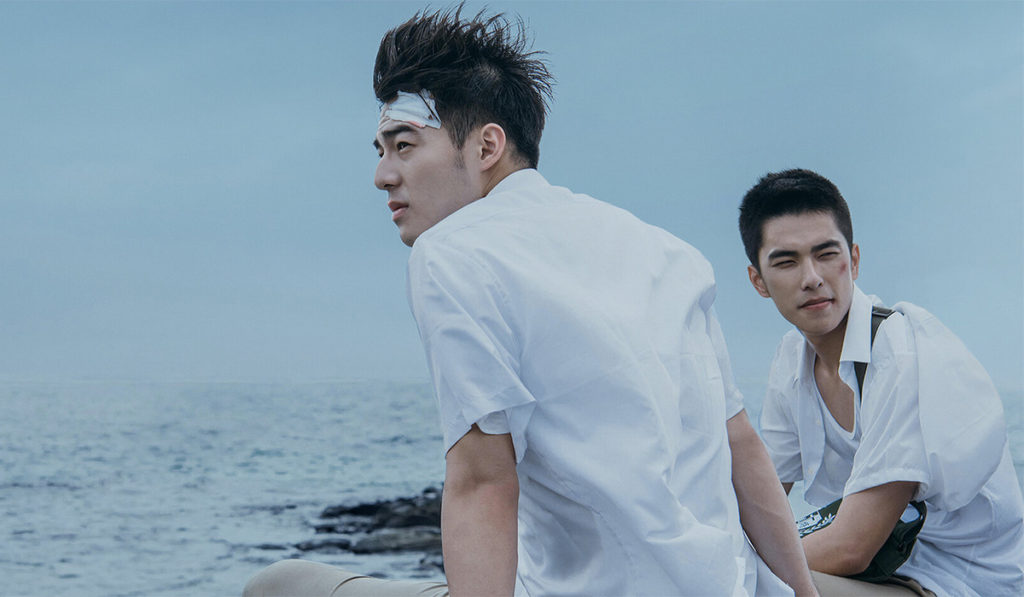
[
  {"x": 854, "y": 261},
  {"x": 757, "y": 281},
  {"x": 492, "y": 145}
]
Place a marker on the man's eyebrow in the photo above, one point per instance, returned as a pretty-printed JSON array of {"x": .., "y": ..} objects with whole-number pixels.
[
  {"x": 390, "y": 134},
  {"x": 829, "y": 244},
  {"x": 777, "y": 253}
]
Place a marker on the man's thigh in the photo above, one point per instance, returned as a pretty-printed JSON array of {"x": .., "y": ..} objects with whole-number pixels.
[
  {"x": 840, "y": 586},
  {"x": 299, "y": 578}
]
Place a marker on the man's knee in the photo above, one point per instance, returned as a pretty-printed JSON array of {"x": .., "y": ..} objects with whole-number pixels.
[
  {"x": 268, "y": 581},
  {"x": 295, "y": 578},
  {"x": 840, "y": 586}
]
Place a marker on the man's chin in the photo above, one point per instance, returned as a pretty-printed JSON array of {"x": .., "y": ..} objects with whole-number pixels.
[{"x": 407, "y": 237}]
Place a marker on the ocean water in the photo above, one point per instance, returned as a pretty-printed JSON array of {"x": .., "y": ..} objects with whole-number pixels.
[
  {"x": 149, "y": 490},
  {"x": 126, "y": 489}
]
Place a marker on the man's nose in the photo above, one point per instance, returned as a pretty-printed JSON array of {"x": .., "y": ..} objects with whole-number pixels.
[
  {"x": 386, "y": 176},
  {"x": 811, "y": 278}
]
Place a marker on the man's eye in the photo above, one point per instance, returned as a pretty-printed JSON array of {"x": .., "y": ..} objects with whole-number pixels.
[
  {"x": 786, "y": 263},
  {"x": 829, "y": 254},
  {"x": 402, "y": 145}
]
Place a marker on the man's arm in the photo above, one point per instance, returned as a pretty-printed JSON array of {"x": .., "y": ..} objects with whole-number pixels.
[
  {"x": 861, "y": 525},
  {"x": 479, "y": 510},
  {"x": 764, "y": 510}
]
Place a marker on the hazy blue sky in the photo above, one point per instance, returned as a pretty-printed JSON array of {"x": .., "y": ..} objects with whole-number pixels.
[{"x": 186, "y": 188}]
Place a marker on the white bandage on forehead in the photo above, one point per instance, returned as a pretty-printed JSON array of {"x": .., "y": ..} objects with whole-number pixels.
[{"x": 415, "y": 108}]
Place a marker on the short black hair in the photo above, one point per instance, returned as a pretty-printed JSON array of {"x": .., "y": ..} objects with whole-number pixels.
[
  {"x": 478, "y": 71},
  {"x": 789, "y": 192}
]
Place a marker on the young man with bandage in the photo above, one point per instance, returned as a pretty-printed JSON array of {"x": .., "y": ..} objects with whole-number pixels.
[
  {"x": 877, "y": 408},
  {"x": 595, "y": 442}
]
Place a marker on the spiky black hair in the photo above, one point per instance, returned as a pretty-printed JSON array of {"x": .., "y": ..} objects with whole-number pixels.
[{"x": 478, "y": 70}]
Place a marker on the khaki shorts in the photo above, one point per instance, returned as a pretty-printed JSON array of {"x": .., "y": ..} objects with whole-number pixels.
[
  {"x": 840, "y": 586},
  {"x": 299, "y": 578}
]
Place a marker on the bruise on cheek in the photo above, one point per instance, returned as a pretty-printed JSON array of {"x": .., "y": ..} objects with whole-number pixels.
[{"x": 844, "y": 267}]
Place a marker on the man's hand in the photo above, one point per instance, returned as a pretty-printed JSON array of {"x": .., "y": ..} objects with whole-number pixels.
[
  {"x": 861, "y": 525},
  {"x": 479, "y": 509}
]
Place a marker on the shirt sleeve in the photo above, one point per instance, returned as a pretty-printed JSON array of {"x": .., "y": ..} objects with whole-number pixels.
[
  {"x": 733, "y": 396},
  {"x": 464, "y": 323},
  {"x": 891, "y": 444},
  {"x": 778, "y": 425}
]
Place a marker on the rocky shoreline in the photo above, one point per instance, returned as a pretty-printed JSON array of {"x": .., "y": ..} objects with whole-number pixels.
[{"x": 410, "y": 524}]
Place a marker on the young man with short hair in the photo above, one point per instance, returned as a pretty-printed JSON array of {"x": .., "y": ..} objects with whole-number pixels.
[
  {"x": 926, "y": 426},
  {"x": 595, "y": 442}
]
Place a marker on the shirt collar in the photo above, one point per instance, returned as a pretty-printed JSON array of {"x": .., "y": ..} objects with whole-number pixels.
[
  {"x": 518, "y": 180},
  {"x": 856, "y": 341}
]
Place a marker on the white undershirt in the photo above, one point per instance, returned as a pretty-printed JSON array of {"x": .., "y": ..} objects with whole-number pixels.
[{"x": 842, "y": 442}]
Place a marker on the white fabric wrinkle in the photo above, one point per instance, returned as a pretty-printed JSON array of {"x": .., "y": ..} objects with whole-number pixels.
[
  {"x": 963, "y": 438},
  {"x": 479, "y": 331}
]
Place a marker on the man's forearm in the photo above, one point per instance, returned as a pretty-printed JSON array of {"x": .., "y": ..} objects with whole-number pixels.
[
  {"x": 768, "y": 523},
  {"x": 764, "y": 510},
  {"x": 861, "y": 526},
  {"x": 829, "y": 551}
]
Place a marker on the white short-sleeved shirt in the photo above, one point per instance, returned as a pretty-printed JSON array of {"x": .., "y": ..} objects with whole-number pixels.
[
  {"x": 589, "y": 336},
  {"x": 917, "y": 408}
]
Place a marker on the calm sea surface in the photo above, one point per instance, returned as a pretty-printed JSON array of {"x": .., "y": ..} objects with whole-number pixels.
[{"x": 118, "y": 489}]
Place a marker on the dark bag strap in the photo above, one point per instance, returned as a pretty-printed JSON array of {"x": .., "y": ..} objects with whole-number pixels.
[{"x": 878, "y": 315}]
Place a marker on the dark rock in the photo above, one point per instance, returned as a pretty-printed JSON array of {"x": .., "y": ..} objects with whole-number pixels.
[
  {"x": 346, "y": 527},
  {"x": 432, "y": 561},
  {"x": 322, "y": 544},
  {"x": 423, "y": 510},
  {"x": 404, "y": 539},
  {"x": 409, "y": 513},
  {"x": 357, "y": 510},
  {"x": 402, "y": 524}
]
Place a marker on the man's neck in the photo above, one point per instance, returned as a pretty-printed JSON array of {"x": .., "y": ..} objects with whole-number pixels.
[
  {"x": 829, "y": 347},
  {"x": 838, "y": 397}
]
